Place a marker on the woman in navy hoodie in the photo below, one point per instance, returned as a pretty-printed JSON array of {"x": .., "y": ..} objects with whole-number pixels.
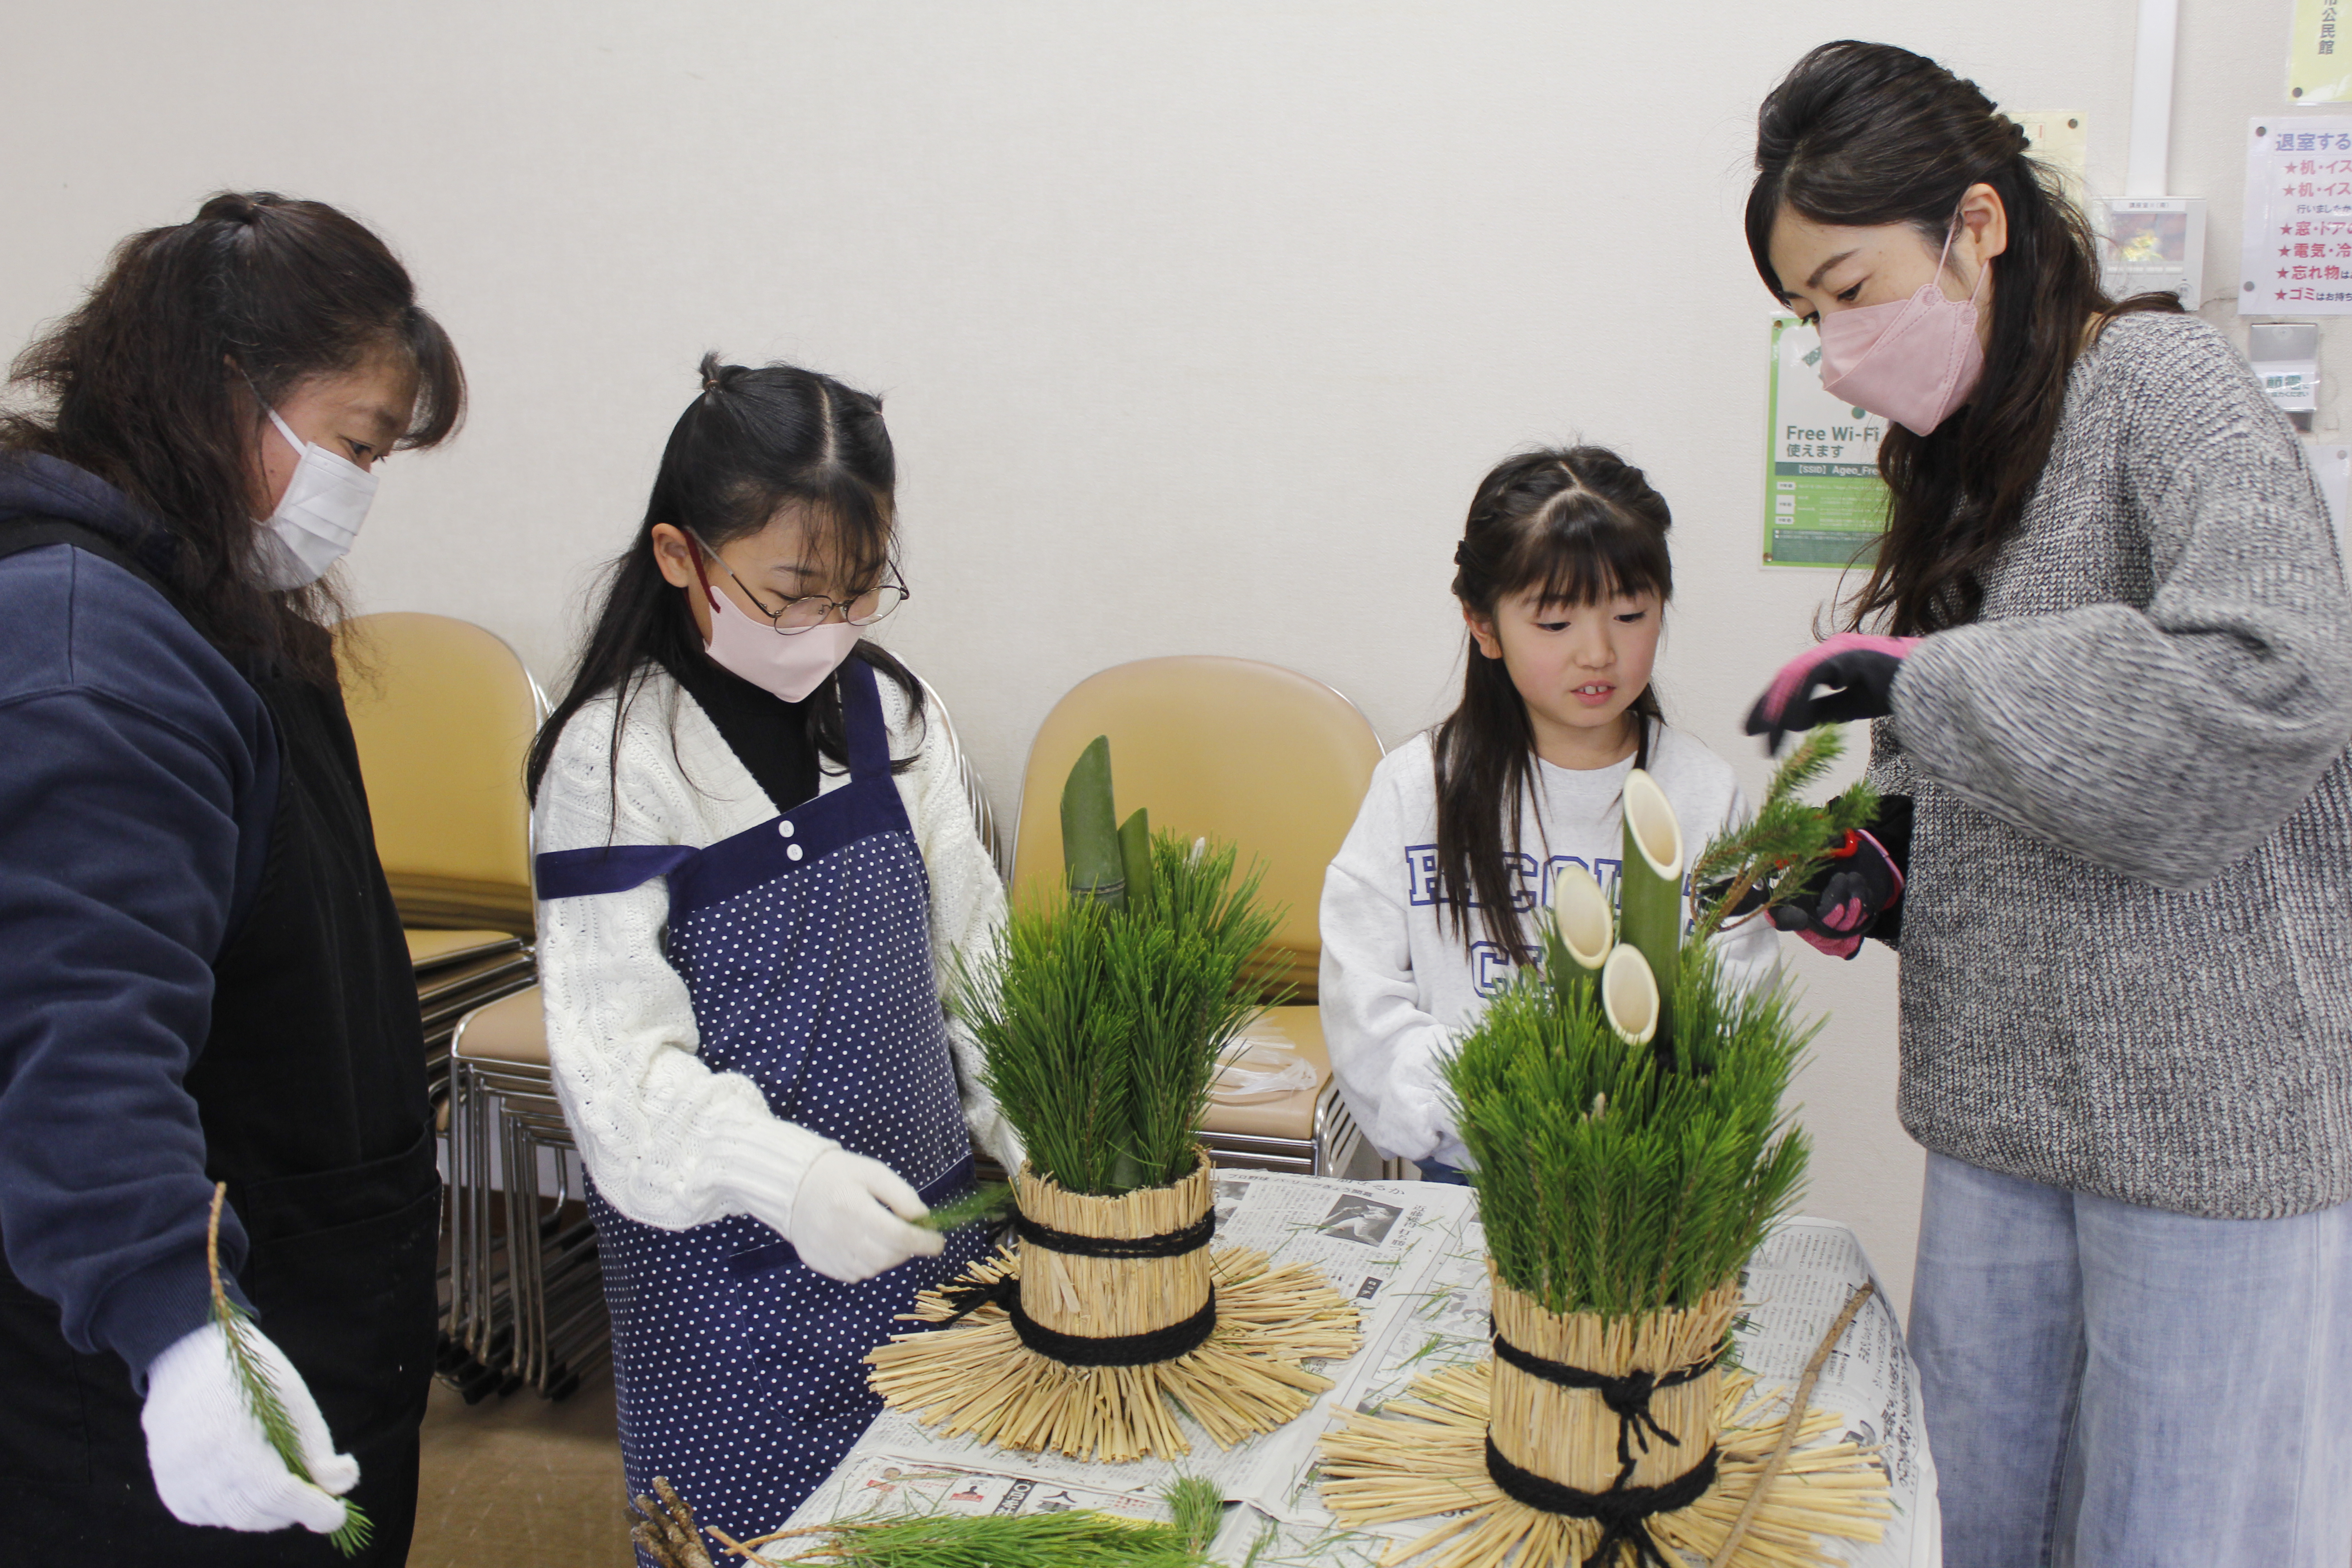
[{"x": 202, "y": 977}]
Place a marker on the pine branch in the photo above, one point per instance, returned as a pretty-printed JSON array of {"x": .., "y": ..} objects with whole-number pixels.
[
  {"x": 263, "y": 1397},
  {"x": 1786, "y": 841},
  {"x": 1610, "y": 1184},
  {"x": 1102, "y": 1025}
]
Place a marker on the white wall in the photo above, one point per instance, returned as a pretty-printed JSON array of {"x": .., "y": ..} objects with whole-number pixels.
[{"x": 1197, "y": 323}]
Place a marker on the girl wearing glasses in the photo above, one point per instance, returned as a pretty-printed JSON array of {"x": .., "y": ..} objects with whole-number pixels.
[
  {"x": 1563, "y": 576},
  {"x": 753, "y": 863}
]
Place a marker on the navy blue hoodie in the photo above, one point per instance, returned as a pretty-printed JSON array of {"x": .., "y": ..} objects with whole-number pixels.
[{"x": 138, "y": 780}]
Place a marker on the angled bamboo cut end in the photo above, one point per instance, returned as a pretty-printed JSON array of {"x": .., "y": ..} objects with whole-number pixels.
[
  {"x": 1652, "y": 829},
  {"x": 1650, "y": 887},
  {"x": 1090, "y": 847},
  {"x": 1629, "y": 995},
  {"x": 1587, "y": 925}
]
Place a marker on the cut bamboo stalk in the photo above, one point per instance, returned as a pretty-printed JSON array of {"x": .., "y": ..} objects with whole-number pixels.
[
  {"x": 1650, "y": 887},
  {"x": 1135, "y": 856},
  {"x": 1581, "y": 911},
  {"x": 1630, "y": 998},
  {"x": 1090, "y": 847}
]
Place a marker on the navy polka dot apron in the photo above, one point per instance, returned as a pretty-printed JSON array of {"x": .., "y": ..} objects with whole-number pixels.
[{"x": 805, "y": 943}]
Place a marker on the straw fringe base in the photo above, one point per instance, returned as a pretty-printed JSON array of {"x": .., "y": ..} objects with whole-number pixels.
[
  {"x": 1245, "y": 1378},
  {"x": 1424, "y": 1456}
]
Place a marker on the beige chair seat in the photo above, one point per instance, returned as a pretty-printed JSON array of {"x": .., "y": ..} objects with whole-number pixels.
[
  {"x": 433, "y": 949},
  {"x": 1293, "y": 1115},
  {"x": 512, "y": 1030}
]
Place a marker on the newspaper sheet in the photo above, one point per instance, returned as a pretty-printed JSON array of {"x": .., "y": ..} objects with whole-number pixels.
[{"x": 1413, "y": 1256}]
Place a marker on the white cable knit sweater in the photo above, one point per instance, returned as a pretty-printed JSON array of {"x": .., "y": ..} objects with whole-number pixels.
[{"x": 669, "y": 1141}]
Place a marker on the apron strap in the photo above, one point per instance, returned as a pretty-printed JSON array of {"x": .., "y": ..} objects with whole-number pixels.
[
  {"x": 607, "y": 869},
  {"x": 861, "y": 721}
]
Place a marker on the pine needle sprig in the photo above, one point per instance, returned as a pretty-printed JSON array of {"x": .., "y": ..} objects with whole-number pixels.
[
  {"x": 984, "y": 1203},
  {"x": 1196, "y": 1505},
  {"x": 1609, "y": 1182},
  {"x": 1102, "y": 1023},
  {"x": 1781, "y": 847},
  {"x": 262, "y": 1396},
  {"x": 1069, "y": 1538}
]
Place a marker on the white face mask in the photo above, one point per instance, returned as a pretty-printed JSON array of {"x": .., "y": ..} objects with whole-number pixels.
[{"x": 318, "y": 515}]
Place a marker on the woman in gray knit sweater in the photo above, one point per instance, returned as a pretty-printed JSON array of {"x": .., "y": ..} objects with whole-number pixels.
[{"x": 2112, "y": 675}]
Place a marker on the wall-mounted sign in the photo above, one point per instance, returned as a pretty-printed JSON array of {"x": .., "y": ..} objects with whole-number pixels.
[
  {"x": 2318, "y": 67},
  {"x": 1824, "y": 504},
  {"x": 2297, "y": 256},
  {"x": 2060, "y": 138}
]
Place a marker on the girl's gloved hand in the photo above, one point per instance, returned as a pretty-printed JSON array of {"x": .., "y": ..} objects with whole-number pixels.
[
  {"x": 1860, "y": 670},
  {"x": 212, "y": 1463},
  {"x": 1845, "y": 900},
  {"x": 848, "y": 1220}
]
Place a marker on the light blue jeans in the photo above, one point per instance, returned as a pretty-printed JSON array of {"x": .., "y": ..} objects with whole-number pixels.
[{"x": 2111, "y": 1387}]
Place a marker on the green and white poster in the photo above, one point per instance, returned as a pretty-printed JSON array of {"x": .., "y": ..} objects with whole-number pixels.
[{"x": 1824, "y": 504}]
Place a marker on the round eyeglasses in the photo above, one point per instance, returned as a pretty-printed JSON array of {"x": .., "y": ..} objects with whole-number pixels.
[{"x": 811, "y": 611}]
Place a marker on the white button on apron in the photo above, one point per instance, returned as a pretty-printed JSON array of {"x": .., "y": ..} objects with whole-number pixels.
[
  {"x": 786, "y": 829},
  {"x": 792, "y": 852}
]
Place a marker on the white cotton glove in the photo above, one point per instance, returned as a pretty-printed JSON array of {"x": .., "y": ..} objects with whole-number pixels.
[
  {"x": 211, "y": 1461},
  {"x": 842, "y": 1225}
]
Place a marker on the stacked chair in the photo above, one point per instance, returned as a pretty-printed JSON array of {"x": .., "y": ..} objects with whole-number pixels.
[
  {"x": 1254, "y": 755},
  {"x": 443, "y": 714}
]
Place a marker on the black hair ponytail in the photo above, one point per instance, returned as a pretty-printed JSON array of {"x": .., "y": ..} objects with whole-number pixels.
[
  {"x": 754, "y": 441},
  {"x": 1575, "y": 525}
]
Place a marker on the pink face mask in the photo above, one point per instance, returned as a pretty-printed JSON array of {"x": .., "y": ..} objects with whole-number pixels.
[
  {"x": 1912, "y": 360},
  {"x": 789, "y": 665}
]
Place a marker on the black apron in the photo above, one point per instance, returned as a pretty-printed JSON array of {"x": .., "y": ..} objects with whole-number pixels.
[{"x": 310, "y": 1088}]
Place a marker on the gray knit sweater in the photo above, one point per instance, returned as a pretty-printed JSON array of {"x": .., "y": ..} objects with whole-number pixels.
[{"x": 2126, "y": 943}]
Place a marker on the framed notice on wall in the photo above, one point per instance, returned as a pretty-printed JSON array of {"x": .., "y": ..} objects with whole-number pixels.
[
  {"x": 1824, "y": 504},
  {"x": 2297, "y": 250}
]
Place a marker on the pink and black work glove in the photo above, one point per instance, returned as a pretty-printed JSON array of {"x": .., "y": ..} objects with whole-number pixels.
[
  {"x": 1857, "y": 892},
  {"x": 1857, "y": 671}
]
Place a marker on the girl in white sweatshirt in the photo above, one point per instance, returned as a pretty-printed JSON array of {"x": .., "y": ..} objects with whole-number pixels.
[{"x": 1563, "y": 576}]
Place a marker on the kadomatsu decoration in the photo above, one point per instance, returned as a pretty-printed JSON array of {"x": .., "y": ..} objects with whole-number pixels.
[
  {"x": 1623, "y": 1106},
  {"x": 1102, "y": 1015}
]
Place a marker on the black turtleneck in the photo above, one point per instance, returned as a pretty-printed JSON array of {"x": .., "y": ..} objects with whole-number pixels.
[{"x": 768, "y": 735}]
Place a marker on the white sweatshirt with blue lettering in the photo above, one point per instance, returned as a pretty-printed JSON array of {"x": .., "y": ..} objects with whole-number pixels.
[{"x": 1399, "y": 983}]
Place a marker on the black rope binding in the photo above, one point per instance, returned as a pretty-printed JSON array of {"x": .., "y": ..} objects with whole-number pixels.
[
  {"x": 1070, "y": 1243},
  {"x": 1628, "y": 1396},
  {"x": 1623, "y": 1512},
  {"x": 1078, "y": 1350}
]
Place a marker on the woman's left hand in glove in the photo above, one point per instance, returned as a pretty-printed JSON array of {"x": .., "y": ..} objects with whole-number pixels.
[{"x": 1859, "y": 670}]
